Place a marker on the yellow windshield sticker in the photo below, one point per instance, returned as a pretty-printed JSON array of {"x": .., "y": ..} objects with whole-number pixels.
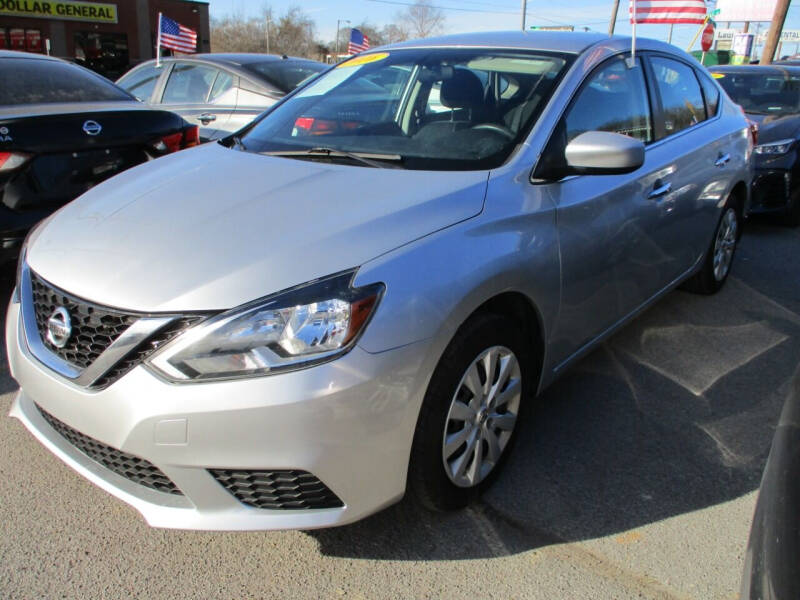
[
  {"x": 363, "y": 60},
  {"x": 718, "y": 75}
]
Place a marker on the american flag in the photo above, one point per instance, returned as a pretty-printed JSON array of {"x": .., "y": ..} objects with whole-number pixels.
[
  {"x": 358, "y": 42},
  {"x": 176, "y": 36},
  {"x": 668, "y": 11}
]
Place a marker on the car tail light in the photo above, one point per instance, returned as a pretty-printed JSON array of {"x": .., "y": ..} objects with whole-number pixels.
[
  {"x": 752, "y": 125},
  {"x": 191, "y": 136},
  {"x": 12, "y": 160},
  {"x": 186, "y": 138}
]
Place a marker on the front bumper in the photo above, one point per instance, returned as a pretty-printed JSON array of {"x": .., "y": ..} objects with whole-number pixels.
[
  {"x": 349, "y": 422},
  {"x": 771, "y": 191}
]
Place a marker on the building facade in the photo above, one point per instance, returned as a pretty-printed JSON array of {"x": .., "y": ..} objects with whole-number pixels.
[{"x": 107, "y": 37}]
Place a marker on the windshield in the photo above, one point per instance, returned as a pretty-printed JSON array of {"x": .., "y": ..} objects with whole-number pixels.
[
  {"x": 285, "y": 74},
  {"x": 440, "y": 109},
  {"x": 763, "y": 93},
  {"x": 32, "y": 81}
]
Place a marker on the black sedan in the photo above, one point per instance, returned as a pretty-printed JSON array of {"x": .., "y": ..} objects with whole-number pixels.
[
  {"x": 64, "y": 129},
  {"x": 770, "y": 96},
  {"x": 219, "y": 92},
  {"x": 772, "y": 563}
]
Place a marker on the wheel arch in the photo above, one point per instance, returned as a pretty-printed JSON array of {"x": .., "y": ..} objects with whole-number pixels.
[{"x": 521, "y": 308}]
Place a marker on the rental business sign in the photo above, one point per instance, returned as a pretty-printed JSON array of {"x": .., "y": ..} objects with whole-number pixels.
[{"x": 69, "y": 10}]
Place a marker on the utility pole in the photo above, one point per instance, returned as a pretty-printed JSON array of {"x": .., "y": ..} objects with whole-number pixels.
[
  {"x": 671, "y": 27},
  {"x": 774, "y": 35},
  {"x": 613, "y": 21},
  {"x": 524, "y": 10},
  {"x": 268, "y": 22}
]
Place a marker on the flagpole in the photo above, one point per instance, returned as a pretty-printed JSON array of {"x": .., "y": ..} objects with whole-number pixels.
[
  {"x": 158, "y": 43},
  {"x": 633, "y": 44},
  {"x": 699, "y": 31}
]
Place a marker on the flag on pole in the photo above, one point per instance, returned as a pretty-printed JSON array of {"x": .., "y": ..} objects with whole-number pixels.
[
  {"x": 358, "y": 42},
  {"x": 175, "y": 36},
  {"x": 668, "y": 11}
]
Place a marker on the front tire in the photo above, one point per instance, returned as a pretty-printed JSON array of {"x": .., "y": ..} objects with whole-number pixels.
[
  {"x": 719, "y": 257},
  {"x": 471, "y": 412}
]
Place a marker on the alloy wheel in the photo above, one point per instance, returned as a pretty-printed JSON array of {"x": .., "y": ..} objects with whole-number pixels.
[
  {"x": 725, "y": 243},
  {"x": 482, "y": 416}
]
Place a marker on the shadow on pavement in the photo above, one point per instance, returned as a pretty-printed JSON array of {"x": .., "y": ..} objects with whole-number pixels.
[{"x": 673, "y": 414}]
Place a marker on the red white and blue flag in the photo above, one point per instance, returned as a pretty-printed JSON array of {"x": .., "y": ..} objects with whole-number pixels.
[
  {"x": 668, "y": 11},
  {"x": 358, "y": 42},
  {"x": 175, "y": 36}
]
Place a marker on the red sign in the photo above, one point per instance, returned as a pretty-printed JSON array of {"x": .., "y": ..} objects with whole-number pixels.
[
  {"x": 17, "y": 37},
  {"x": 33, "y": 40},
  {"x": 708, "y": 38}
]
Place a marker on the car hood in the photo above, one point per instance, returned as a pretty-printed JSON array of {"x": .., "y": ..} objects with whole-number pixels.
[
  {"x": 212, "y": 228},
  {"x": 772, "y": 128}
]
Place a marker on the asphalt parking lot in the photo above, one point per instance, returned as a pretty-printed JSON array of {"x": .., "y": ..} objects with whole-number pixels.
[{"x": 636, "y": 478}]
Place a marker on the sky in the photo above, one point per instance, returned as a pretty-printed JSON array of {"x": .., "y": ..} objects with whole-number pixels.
[{"x": 479, "y": 15}]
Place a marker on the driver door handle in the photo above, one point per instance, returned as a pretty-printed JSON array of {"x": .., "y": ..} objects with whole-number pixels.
[
  {"x": 661, "y": 190},
  {"x": 722, "y": 160},
  {"x": 206, "y": 118}
]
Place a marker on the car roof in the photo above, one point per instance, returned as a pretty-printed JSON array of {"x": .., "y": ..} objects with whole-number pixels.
[
  {"x": 772, "y": 69},
  {"x": 558, "y": 41},
  {"x": 27, "y": 55},
  {"x": 235, "y": 59}
]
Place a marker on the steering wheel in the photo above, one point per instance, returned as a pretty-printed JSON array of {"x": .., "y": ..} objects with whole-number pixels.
[{"x": 501, "y": 129}]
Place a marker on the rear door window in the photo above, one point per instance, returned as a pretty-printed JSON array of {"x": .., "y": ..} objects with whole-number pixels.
[
  {"x": 613, "y": 99},
  {"x": 141, "y": 82},
  {"x": 223, "y": 92},
  {"x": 189, "y": 84},
  {"x": 711, "y": 94},
  {"x": 681, "y": 98}
]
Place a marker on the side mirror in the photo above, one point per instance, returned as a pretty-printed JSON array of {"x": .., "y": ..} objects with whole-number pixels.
[{"x": 603, "y": 153}]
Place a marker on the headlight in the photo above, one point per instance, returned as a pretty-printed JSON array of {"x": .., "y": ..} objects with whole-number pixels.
[
  {"x": 294, "y": 329},
  {"x": 779, "y": 147}
]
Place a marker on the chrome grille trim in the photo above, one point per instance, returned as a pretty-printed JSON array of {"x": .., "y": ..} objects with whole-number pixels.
[{"x": 137, "y": 333}]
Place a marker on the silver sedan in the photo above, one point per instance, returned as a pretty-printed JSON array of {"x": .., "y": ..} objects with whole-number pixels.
[{"x": 361, "y": 292}]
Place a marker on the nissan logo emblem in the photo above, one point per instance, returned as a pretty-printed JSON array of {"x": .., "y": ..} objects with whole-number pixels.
[
  {"x": 92, "y": 127},
  {"x": 59, "y": 327}
]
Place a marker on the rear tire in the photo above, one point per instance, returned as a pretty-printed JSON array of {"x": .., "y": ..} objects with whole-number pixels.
[
  {"x": 719, "y": 256},
  {"x": 464, "y": 437}
]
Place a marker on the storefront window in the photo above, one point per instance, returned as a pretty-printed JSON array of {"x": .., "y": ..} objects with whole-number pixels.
[
  {"x": 33, "y": 40},
  {"x": 17, "y": 38},
  {"x": 104, "y": 53},
  {"x": 3, "y": 42}
]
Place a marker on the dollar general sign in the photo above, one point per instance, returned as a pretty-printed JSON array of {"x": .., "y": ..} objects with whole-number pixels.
[{"x": 66, "y": 10}]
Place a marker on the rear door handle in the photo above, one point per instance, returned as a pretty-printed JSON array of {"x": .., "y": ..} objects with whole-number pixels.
[
  {"x": 661, "y": 190},
  {"x": 722, "y": 160},
  {"x": 206, "y": 118}
]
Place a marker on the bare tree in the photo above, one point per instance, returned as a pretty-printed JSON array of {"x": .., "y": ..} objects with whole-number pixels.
[
  {"x": 292, "y": 34},
  {"x": 421, "y": 20},
  {"x": 393, "y": 33}
]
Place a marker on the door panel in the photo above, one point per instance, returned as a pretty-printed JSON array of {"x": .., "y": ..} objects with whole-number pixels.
[{"x": 187, "y": 91}]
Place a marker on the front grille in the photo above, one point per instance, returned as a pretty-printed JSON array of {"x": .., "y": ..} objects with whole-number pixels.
[
  {"x": 127, "y": 465},
  {"x": 94, "y": 327},
  {"x": 277, "y": 489}
]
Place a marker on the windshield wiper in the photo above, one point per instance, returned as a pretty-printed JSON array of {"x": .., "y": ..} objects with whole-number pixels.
[{"x": 367, "y": 158}]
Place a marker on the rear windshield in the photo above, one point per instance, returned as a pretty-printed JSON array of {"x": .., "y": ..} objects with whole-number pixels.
[
  {"x": 32, "y": 81},
  {"x": 285, "y": 74},
  {"x": 764, "y": 92}
]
